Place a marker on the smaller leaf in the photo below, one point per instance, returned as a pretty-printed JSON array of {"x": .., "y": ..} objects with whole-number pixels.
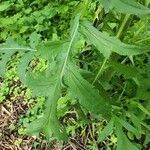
[
  {"x": 122, "y": 141},
  {"x": 106, "y": 131},
  {"x": 126, "y": 125},
  {"x": 136, "y": 121},
  {"x": 35, "y": 126},
  {"x": 12, "y": 45},
  {"x": 142, "y": 108}
]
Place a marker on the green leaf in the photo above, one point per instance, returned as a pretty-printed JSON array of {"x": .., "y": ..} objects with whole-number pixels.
[
  {"x": 4, "y": 5},
  {"x": 7, "y": 50},
  {"x": 10, "y": 44},
  {"x": 107, "y": 130},
  {"x": 39, "y": 83},
  {"x": 143, "y": 91},
  {"x": 128, "y": 71},
  {"x": 126, "y": 125},
  {"x": 49, "y": 123},
  {"x": 48, "y": 84},
  {"x": 130, "y": 7},
  {"x": 122, "y": 141},
  {"x": 23, "y": 64},
  {"x": 136, "y": 121},
  {"x": 125, "y": 6},
  {"x": 95, "y": 37},
  {"x": 50, "y": 49},
  {"x": 106, "y": 44},
  {"x": 34, "y": 39},
  {"x": 88, "y": 97},
  {"x": 142, "y": 108},
  {"x": 106, "y": 3}
]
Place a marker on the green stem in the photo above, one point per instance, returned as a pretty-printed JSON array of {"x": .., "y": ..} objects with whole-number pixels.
[
  {"x": 119, "y": 34},
  {"x": 124, "y": 22},
  {"x": 100, "y": 71},
  {"x": 120, "y": 96},
  {"x": 143, "y": 40}
]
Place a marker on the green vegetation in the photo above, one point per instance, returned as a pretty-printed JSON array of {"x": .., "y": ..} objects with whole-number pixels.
[{"x": 75, "y": 73}]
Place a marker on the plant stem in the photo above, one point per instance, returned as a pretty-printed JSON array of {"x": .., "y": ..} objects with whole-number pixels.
[
  {"x": 100, "y": 71},
  {"x": 120, "y": 96},
  {"x": 124, "y": 22},
  {"x": 119, "y": 34},
  {"x": 142, "y": 40}
]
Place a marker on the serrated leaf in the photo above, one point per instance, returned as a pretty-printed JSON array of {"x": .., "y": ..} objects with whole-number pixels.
[
  {"x": 122, "y": 141},
  {"x": 96, "y": 38},
  {"x": 7, "y": 50},
  {"x": 88, "y": 97},
  {"x": 10, "y": 44},
  {"x": 130, "y": 7},
  {"x": 49, "y": 123},
  {"x": 23, "y": 64},
  {"x": 107, "y": 130},
  {"x": 106, "y": 44},
  {"x": 125, "y": 6},
  {"x": 48, "y": 84}
]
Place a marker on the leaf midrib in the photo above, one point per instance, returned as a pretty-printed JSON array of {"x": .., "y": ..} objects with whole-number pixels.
[{"x": 68, "y": 51}]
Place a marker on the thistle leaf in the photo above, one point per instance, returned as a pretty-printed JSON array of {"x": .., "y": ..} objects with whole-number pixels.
[
  {"x": 106, "y": 44},
  {"x": 125, "y": 6},
  {"x": 49, "y": 123},
  {"x": 130, "y": 7},
  {"x": 88, "y": 97},
  {"x": 48, "y": 84},
  {"x": 23, "y": 64},
  {"x": 7, "y": 50}
]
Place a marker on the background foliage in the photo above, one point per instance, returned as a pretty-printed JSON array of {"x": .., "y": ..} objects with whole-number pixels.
[{"x": 97, "y": 80}]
